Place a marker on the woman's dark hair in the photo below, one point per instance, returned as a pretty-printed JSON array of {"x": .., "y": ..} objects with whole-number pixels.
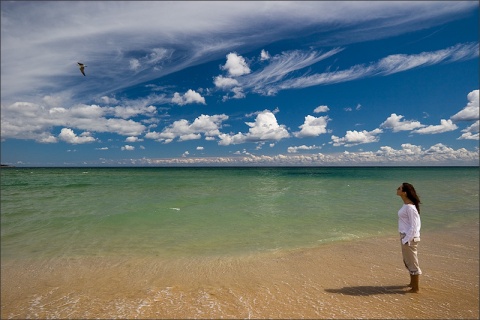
[{"x": 411, "y": 195}]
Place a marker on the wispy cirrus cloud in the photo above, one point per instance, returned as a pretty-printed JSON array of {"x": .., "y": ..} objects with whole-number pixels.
[
  {"x": 262, "y": 80},
  {"x": 280, "y": 72},
  {"x": 386, "y": 66},
  {"x": 403, "y": 62},
  {"x": 281, "y": 66},
  {"x": 155, "y": 39}
]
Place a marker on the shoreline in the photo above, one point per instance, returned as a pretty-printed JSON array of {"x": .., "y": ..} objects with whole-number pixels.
[{"x": 334, "y": 280}]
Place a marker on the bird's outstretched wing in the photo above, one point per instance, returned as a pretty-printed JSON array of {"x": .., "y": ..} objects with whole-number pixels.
[{"x": 82, "y": 67}]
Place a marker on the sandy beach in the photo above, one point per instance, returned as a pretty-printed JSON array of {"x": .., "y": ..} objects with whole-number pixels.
[{"x": 359, "y": 279}]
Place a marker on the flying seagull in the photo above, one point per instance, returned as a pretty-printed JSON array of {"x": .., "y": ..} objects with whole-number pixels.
[{"x": 82, "y": 67}]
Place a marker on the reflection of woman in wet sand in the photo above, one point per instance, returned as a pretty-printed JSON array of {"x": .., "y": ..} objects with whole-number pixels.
[{"x": 409, "y": 227}]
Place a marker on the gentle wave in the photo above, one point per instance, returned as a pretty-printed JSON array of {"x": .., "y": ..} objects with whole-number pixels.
[{"x": 209, "y": 211}]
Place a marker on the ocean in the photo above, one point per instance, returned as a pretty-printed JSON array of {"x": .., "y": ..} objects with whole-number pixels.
[{"x": 58, "y": 213}]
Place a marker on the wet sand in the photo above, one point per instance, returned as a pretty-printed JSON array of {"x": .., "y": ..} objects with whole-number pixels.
[{"x": 355, "y": 279}]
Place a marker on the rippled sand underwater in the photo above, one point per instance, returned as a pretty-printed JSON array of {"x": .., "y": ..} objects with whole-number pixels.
[{"x": 361, "y": 279}]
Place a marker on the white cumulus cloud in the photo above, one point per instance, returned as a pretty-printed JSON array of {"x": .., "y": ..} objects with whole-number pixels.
[
  {"x": 321, "y": 109},
  {"x": 353, "y": 138},
  {"x": 133, "y": 139},
  {"x": 127, "y": 148},
  {"x": 225, "y": 82},
  {"x": 189, "y": 97},
  {"x": 134, "y": 64},
  {"x": 236, "y": 65},
  {"x": 444, "y": 126},
  {"x": 69, "y": 136},
  {"x": 302, "y": 147},
  {"x": 471, "y": 111},
  {"x": 396, "y": 124},
  {"x": 184, "y": 130},
  {"x": 471, "y": 132},
  {"x": 312, "y": 127},
  {"x": 264, "y": 55},
  {"x": 264, "y": 128},
  {"x": 24, "y": 120},
  {"x": 132, "y": 111},
  {"x": 409, "y": 154}
]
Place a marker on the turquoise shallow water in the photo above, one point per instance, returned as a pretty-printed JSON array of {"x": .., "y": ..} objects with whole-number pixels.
[{"x": 183, "y": 212}]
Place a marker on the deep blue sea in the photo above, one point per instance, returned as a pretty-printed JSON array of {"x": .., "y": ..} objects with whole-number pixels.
[{"x": 184, "y": 212}]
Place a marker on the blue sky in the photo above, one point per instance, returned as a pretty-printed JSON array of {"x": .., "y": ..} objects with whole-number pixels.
[{"x": 240, "y": 83}]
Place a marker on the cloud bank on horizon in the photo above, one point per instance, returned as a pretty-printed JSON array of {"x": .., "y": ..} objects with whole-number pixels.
[{"x": 239, "y": 83}]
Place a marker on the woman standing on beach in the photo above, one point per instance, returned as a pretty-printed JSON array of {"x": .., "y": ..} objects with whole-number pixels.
[{"x": 409, "y": 228}]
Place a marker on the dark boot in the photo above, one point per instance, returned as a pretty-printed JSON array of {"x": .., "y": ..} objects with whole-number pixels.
[{"x": 414, "y": 283}]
